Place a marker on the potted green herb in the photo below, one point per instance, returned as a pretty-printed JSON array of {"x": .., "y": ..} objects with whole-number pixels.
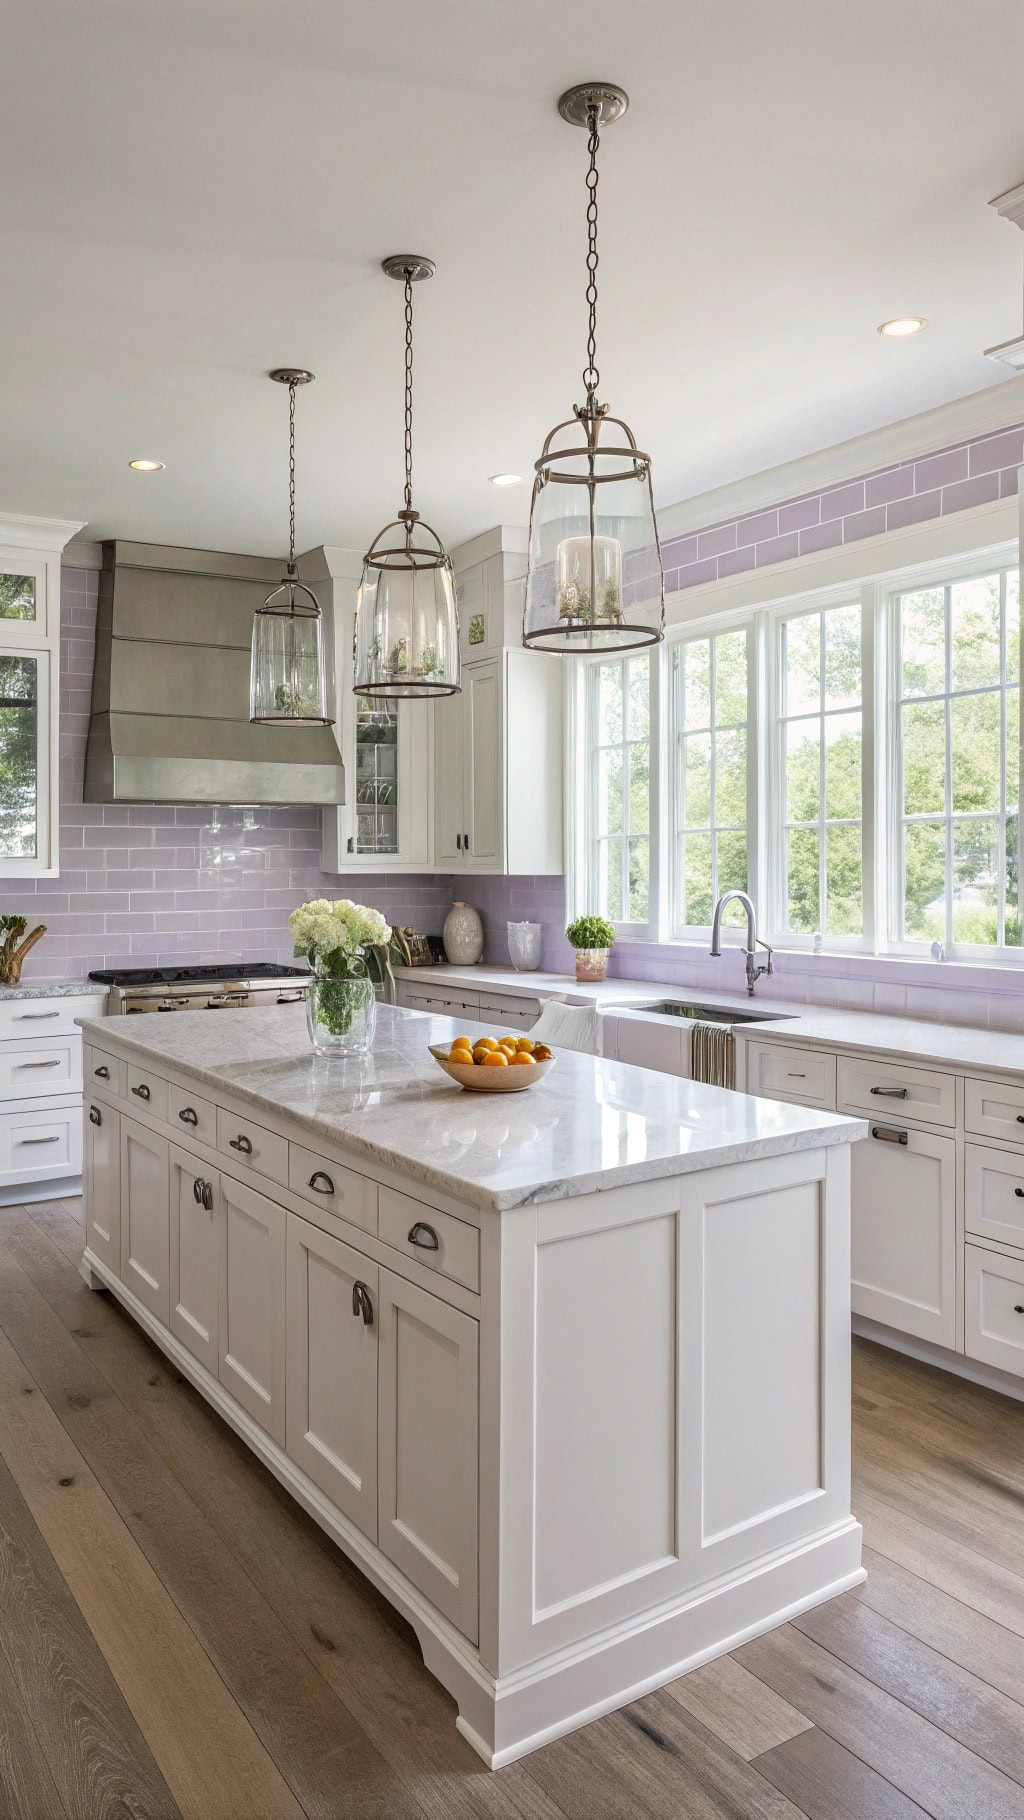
[{"x": 592, "y": 937}]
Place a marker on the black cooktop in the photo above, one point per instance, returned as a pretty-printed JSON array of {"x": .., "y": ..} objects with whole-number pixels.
[{"x": 183, "y": 976}]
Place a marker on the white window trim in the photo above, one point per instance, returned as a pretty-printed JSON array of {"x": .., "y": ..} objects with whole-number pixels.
[
  {"x": 38, "y": 638},
  {"x": 582, "y": 791}
]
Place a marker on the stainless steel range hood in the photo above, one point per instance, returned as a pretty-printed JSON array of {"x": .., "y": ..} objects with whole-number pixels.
[{"x": 170, "y": 688}]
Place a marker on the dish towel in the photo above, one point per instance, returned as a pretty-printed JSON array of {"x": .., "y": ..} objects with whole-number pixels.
[{"x": 712, "y": 1055}]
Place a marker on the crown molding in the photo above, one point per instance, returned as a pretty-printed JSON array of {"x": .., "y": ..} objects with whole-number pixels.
[
  {"x": 50, "y": 534},
  {"x": 1010, "y": 205},
  {"x": 979, "y": 414}
]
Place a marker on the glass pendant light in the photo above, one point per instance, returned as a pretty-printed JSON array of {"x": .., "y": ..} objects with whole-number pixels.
[
  {"x": 288, "y": 684},
  {"x": 595, "y": 580},
  {"x": 407, "y": 623}
]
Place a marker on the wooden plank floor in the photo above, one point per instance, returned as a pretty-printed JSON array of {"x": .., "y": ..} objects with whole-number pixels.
[{"x": 178, "y": 1641}]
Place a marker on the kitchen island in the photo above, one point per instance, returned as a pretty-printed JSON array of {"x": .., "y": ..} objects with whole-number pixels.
[{"x": 566, "y": 1372}]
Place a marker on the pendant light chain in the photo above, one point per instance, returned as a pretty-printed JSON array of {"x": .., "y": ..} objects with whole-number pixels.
[
  {"x": 591, "y": 376},
  {"x": 291, "y": 478},
  {"x": 408, "y": 392}
]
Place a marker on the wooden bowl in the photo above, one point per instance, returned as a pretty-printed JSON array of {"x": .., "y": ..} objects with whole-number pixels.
[{"x": 513, "y": 1079}]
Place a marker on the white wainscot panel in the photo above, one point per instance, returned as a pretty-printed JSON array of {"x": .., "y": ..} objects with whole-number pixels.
[
  {"x": 606, "y": 1404},
  {"x": 760, "y": 1406}
]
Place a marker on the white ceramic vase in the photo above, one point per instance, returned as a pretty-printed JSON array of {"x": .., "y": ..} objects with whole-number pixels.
[{"x": 463, "y": 935}]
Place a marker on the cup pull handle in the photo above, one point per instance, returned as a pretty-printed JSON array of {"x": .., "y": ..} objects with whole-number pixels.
[
  {"x": 424, "y": 1236},
  {"x": 95, "y": 1116},
  {"x": 141, "y": 1093},
  {"x": 361, "y": 1303},
  {"x": 102, "y": 1074},
  {"x": 188, "y": 1115},
  {"x": 242, "y": 1143},
  {"x": 320, "y": 1182}
]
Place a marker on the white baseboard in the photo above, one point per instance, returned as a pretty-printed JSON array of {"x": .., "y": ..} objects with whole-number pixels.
[
  {"x": 58, "y": 1188},
  {"x": 988, "y": 1376}
]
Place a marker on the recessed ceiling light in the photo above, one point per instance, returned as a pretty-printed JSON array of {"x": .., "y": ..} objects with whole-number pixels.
[
  {"x": 505, "y": 480},
  {"x": 145, "y": 467},
  {"x": 903, "y": 325}
]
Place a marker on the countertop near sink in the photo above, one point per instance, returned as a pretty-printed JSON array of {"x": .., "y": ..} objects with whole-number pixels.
[{"x": 912, "y": 1039}]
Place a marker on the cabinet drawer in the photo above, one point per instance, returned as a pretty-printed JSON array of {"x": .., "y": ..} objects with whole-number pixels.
[
  {"x": 516, "y": 1013},
  {"x": 441, "y": 1243},
  {"x": 894, "y": 1090},
  {"x": 775, "y": 1071},
  {"x": 995, "y": 1109},
  {"x": 30, "y": 1070},
  {"x": 247, "y": 1143},
  {"x": 147, "y": 1090},
  {"x": 994, "y": 1315},
  {"x": 196, "y": 1117},
  {"x": 103, "y": 1072},
  {"x": 994, "y": 1194},
  {"x": 22, "y": 1018},
  {"x": 330, "y": 1185},
  {"x": 42, "y": 1143}
]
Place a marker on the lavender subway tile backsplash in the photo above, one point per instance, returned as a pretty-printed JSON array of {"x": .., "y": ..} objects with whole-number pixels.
[{"x": 950, "y": 480}]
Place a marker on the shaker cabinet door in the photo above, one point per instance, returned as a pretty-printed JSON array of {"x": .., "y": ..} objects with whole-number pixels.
[
  {"x": 484, "y": 835},
  {"x": 195, "y": 1257},
  {"x": 145, "y": 1224},
  {"x": 332, "y": 1369},
  {"x": 427, "y": 1428},
  {"x": 252, "y": 1303},
  {"x": 102, "y": 1175},
  {"x": 449, "y": 791},
  {"x": 903, "y": 1206}
]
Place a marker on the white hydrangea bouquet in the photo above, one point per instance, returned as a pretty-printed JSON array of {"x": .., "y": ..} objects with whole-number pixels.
[{"x": 346, "y": 945}]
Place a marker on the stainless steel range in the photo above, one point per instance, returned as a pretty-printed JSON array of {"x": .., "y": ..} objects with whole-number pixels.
[{"x": 231, "y": 987}]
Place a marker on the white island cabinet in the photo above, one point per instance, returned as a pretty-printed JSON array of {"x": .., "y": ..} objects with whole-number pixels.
[{"x": 566, "y": 1373}]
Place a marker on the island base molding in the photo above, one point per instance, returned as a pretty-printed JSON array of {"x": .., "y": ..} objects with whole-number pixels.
[{"x": 507, "y": 1717}]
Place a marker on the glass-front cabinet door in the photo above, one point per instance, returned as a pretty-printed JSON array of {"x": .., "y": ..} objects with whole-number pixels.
[
  {"x": 384, "y": 824},
  {"x": 29, "y": 648},
  {"x": 376, "y": 780}
]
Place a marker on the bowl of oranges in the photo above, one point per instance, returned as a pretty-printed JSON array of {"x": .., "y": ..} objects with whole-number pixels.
[{"x": 487, "y": 1064}]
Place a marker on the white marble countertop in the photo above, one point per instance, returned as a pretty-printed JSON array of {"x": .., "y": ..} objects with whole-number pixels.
[
  {"x": 53, "y": 989},
  {"x": 909, "y": 1039},
  {"x": 590, "y": 1124}
]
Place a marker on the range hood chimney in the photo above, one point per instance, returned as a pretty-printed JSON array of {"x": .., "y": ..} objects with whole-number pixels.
[{"x": 170, "y": 688}]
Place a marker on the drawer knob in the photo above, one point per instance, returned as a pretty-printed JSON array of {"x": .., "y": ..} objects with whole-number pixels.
[
  {"x": 141, "y": 1093},
  {"x": 361, "y": 1303},
  {"x": 1018, "y": 1307},
  {"x": 95, "y": 1116},
  {"x": 188, "y": 1115},
  {"x": 887, "y": 1135},
  {"x": 424, "y": 1236},
  {"x": 102, "y": 1074},
  {"x": 1020, "y": 1118},
  {"x": 241, "y": 1142},
  {"x": 320, "y": 1182},
  {"x": 891, "y": 1093},
  {"x": 1019, "y": 1192}
]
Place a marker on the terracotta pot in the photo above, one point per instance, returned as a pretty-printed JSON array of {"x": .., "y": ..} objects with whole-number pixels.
[{"x": 591, "y": 964}]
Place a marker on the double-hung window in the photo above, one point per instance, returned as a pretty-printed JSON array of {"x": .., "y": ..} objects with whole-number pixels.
[
  {"x": 956, "y": 762},
  {"x": 620, "y": 809},
  {"x": 710, "y": 702},
  {"x": 818, "y": 847}
]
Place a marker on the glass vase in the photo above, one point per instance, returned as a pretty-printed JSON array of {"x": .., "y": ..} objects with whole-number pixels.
[
  {"x": 591, "y": 964},
  {"x": 341, "y": 1015}
]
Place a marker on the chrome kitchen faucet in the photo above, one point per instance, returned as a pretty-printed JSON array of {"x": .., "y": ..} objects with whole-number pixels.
[{"x": 754, "y": 941}]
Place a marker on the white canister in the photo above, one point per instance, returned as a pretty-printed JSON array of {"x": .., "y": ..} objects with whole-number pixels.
[
  {"x": 463, "y": 935},
  {"x": 524, "y": 946}
]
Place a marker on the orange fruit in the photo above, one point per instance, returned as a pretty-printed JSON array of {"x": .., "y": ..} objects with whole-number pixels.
[
  {"x": 485, "y": 1042},
  {"x": 541, "y": 1053},
  {"x": 496, "y": 1059},
  {"x": 524, "y": 1045},
  {"x": 521, "y": 1057},
  {"x": 502, "y": 1040},
  {"x": 509, "y": 1048}
]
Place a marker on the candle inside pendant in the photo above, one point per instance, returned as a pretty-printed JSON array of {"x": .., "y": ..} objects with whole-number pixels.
[{"x": 588, "y": 581}]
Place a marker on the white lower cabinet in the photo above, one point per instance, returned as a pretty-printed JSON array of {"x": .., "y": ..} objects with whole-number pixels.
[
  {"x": 195, "y": 1210},
  {"x": 145, "y": 1263},
  {"x": 252, "y": 1304},
  {"x": 332, "y": 1369},
  {"x": 102, "y": 1178},
  {"x": 427, "y": 1421},
  {"x": 994, "y": 1313},
  {"x": 904, "y": 1231}
]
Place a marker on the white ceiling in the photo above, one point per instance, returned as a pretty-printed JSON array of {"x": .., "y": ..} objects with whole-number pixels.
[{"x": 197, "y": 191}]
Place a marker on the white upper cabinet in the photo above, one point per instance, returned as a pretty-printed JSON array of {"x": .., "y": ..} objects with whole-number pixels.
[
  {"x": 385, "y": 822},
  {"x": 29, "y": 668}
]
